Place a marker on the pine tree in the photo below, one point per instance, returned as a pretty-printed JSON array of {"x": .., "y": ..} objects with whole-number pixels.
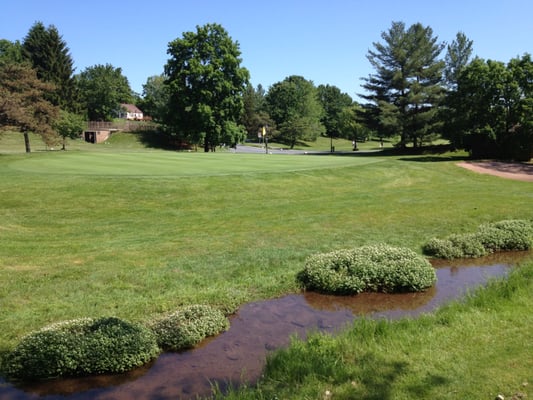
[
  {"x": 49, "y": 55},
  {"x": 406, "y": 89}
]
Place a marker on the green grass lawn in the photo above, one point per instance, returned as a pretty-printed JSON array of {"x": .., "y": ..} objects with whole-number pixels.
[{"x": 116, "y": 229}]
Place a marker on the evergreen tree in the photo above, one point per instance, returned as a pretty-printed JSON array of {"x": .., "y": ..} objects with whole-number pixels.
[
  {"x": 255, "y": 115},
  {"x": 49, "y": 55},
  {"x": 406, "y": 90},
  {"x": 23, "y": 104}
]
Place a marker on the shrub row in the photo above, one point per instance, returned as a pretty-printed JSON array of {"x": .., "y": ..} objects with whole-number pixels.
[
  {"x": 506, "y": 235},
  {"x": 90, "y": 346},
  {"x": 373, "y": 268}
]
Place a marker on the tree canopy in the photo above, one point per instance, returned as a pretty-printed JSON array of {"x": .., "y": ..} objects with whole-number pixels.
[
  {"x": 102, "y": 89},
  {"x": 206, "y": 82},
  {"x": 492, "y": 108},
  {"x": 293, "y": 104},
  {"x": 405, "y": 91},
  {"x": 49, "y": 55},
  {"x": 23, "y": 104}
]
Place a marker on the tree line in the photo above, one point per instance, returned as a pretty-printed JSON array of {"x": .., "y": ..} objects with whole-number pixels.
[{"x": 421, "y": 90}]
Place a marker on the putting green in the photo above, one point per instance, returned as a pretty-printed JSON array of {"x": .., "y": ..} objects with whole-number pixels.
[{"x": 168, "y": 164}]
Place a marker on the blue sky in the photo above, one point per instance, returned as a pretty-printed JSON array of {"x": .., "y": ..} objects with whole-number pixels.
[{"x": 324, "y": 41}]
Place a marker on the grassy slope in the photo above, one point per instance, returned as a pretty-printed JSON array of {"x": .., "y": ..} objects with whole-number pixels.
[{"x": 113, "y": 229}]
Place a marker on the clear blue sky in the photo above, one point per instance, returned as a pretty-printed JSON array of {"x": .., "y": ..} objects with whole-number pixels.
[{"x": 325, "y": 41}]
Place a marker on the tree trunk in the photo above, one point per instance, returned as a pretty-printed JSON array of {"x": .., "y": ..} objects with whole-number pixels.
[{"x": 27, "y": 142}]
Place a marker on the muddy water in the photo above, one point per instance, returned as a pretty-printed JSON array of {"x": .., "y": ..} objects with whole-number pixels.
[{"x": 258, "y": 328}]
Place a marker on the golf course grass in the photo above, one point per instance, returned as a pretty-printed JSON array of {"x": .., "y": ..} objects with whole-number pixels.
[{"x": 119, "y": 230}]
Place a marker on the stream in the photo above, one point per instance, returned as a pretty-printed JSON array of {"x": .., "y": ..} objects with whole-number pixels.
[{"x": 238, "y": 355}]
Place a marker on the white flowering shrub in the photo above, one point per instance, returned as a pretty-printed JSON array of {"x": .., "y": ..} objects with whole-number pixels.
[
  {"x": 503, "y": 235},
  {"x": 373, "y": 268},
  {"x": 185, "y": 328},
  {"x": 81, "y": 347}
]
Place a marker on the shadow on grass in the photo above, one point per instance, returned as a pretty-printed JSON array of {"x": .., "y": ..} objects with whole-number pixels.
[
  {"x": 379, "y": 379},
  {"x": 156, "y": 140}
]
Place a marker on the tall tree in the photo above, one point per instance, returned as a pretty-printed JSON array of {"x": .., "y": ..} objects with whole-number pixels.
[
  {"x": 206, "y": 84},
  {"x": 406, "y": 90},
  {"x": 294, "y": 106},
  {"x": 102, "y": 89},
  {"x": 457, "y": 58},
  {"x": 334, "y": 102},
  {"x": 49, "y": 55},
  {"x": 23, "y": 104}
]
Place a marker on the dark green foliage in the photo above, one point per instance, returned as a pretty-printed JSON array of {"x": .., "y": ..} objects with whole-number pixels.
[
  {"x": 504, "y": 235},
  {"x": 205, "y": 87},
  {"x": 294, "y": 106},
  {"x": 82, "y": 347},
  {"x": 185, "y": 328},
  {"x": 102, "y": 89},
  {"x": 49, "y": 56},
  {"x": 406, "y": 91},
  {"x": 376, "y": 268},
  {"x": 489, "y": 113}
]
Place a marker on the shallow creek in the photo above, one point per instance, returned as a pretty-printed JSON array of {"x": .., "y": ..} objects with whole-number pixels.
[{"x": 258, "y": 328}]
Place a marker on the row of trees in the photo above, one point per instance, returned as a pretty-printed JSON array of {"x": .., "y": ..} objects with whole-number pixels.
[{"x": 204, "y": 96}]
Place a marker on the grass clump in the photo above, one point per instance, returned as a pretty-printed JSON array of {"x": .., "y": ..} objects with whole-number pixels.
[
  {"x": 83, "y": 346},
  {"x": 185, "y": 328},
  {"x": 506, "y": 235},
  {"x": 371, "y": 268}
]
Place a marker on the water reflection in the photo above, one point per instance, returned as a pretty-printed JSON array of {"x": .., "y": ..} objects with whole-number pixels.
[{"x": 239, "y": 354}]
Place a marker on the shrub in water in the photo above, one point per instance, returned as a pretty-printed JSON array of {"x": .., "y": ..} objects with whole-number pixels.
[
  {"x": 369, "y": 268},
  {"x": 185, "y": 328},
  {"x": 82, "y": 347},
  {"x": 507, "y": 235},
  {"x": 497, "y": 236}
]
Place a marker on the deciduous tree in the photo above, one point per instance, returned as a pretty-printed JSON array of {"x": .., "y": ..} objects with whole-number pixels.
[
  {"x": 206, "y": 83},
  {"x": 102, "y": 89},
  {"x": 293, "y": 104}
]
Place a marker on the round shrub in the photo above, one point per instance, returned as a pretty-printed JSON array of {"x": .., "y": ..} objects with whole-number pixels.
[
  {"x": 82, "y": 347},
  {"x": 373, "y": 268},
  {"x": 183, "y": 329}
]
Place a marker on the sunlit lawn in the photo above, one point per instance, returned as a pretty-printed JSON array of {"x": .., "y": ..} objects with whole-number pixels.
[{"x": 117, "y": 230}]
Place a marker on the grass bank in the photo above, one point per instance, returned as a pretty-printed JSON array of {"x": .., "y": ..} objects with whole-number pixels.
[{"x": 476, "y": 349}]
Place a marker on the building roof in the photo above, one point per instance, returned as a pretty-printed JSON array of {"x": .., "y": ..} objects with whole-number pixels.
[{"x": 131, "y": 108}]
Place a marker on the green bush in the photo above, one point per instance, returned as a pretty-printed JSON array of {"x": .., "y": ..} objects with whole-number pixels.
[
  {"x": 82, "y": 347},
  {"x": 507, "y": 235},
  {"x": 185, "y": 328},
  {"x": 504, "y": 235},
  {"x": 375, "y": 268}
]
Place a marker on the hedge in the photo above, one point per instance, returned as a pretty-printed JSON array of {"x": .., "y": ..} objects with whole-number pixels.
[{"x": 373, "y": 268}]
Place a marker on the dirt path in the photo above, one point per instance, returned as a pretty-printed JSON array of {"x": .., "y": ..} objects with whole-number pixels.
[{"x": 516, "y": 171}]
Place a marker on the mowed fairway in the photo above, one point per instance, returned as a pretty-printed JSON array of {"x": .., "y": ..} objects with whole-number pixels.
[
  {"x": 172, "y": 164},
  {"x": 133, "y": 234}
]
